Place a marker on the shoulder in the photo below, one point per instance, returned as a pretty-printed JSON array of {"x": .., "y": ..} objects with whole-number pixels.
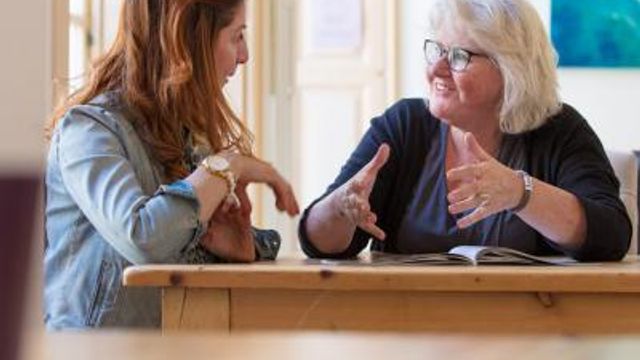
[
  {"x": 406, "y": 117},
  {"x": 104, "y": 113},
  {"x": 408, "y": 109},
  {"x": 100, "y": 125},
  {"x": 566, "y": 138},
  {"x": 568, "y": 125},
  {"x": 568, "y": 119}
]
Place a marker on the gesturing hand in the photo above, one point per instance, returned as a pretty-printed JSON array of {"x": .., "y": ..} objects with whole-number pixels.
[
  {"x": 483, "y": 184},
  {"x": 353, "y": 197},
  {"x": 253, "y": 170}
]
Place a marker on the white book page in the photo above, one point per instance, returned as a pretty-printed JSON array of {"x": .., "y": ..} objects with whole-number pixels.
[{"x": 502, "y": 255}]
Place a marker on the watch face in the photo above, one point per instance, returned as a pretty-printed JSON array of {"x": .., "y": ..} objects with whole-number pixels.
[{"x": 218, "y": 163}]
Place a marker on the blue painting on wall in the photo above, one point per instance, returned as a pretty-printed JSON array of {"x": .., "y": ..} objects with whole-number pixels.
[{"x": 596, "y": 33}]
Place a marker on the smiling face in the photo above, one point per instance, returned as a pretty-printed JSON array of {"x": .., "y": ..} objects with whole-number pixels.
[
  {"x": 466, "y": 99},
  {"x": 231, "y": 46}
]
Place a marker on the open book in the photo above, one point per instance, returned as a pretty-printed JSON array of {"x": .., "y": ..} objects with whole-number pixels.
[
  {"x": 459, "y": 255},
  {"x": 476, "y": 255}
]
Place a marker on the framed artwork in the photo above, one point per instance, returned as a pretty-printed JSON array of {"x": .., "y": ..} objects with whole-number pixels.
[{"x": 596, "y": 33}]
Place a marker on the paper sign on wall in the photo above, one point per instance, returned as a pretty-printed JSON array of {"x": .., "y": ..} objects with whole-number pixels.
[{"x": 335, "y": 25}]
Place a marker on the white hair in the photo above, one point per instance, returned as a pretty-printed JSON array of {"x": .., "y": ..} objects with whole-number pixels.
[{"x": 511, "y": 33}]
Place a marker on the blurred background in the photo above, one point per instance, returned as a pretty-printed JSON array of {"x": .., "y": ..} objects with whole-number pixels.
[{"x": 25, "y": 100}]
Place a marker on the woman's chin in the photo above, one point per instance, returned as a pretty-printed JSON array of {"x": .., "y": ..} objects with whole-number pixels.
[{"x": 438, "y": 111}]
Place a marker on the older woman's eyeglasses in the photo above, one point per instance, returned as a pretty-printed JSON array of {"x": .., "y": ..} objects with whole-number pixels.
[{"x": 458, "y": 58}]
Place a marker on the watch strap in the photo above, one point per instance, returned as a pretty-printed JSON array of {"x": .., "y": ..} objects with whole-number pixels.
[{"x": 527, "y": 182}]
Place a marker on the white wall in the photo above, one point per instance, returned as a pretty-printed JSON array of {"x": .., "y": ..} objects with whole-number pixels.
[
  {"x": 24, "y": 84},
  {"x": 609, "y": 99},
  {"x": 110, "y": 17}
]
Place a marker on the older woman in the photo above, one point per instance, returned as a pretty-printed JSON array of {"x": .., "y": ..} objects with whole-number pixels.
[
  {"x": 148, "y": 164},
  {"x": 491, "y": 158}
]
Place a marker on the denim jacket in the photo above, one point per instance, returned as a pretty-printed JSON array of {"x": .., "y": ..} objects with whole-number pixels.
[{"x": 106, "y": 209}]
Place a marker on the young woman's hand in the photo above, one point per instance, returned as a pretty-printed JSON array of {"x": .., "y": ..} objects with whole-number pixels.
[
  {"x": 229, "y": 235},
  {"x": 243, "y": 205},
  {"x": 252, "y": 170},
  {"x": 352, "y": 199}
]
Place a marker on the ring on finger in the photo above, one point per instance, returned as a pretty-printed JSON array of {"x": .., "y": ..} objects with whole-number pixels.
[{"x": 483, "y": 197}]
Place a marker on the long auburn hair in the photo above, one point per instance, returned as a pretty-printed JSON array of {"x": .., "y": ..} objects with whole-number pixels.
[{"x": 162, "y": 64}]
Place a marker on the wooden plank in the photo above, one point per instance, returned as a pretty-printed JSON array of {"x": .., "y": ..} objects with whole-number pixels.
[
  {"x": 172, "y": 307},
  {"x": 486, "y": 313},
  {"x": 195, "y": 309},
  {"x": 615, "y": 278}
]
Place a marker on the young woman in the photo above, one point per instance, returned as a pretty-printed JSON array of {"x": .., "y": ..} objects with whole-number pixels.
[{"x": 148, "y": 164}]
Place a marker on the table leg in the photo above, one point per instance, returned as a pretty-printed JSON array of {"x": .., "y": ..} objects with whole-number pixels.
[{"x": 195, "y": 309}]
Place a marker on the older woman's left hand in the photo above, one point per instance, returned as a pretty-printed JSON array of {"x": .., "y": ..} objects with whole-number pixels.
[{"x": 484, "y": 184}]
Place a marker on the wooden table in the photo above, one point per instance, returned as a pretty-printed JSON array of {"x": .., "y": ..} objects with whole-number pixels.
[
  {"x": 311, "y": 346},
  {"x": 290, "y": 294}
]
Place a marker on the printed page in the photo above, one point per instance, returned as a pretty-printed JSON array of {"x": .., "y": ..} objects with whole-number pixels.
[
  {"x": 501, "y": 255},
  {"x": 382, "y": 259}
]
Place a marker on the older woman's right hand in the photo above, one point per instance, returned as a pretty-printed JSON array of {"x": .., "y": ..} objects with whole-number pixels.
[
  {"x": 352, "y": 199},
  {"x": 249, "y": 169}
]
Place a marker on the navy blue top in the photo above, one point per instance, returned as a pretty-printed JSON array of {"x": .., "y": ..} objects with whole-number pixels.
[{"x": 410, "y": 194}]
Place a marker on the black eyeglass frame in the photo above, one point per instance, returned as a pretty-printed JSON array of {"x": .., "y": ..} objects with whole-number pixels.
[{"x": 449, "y": 53}]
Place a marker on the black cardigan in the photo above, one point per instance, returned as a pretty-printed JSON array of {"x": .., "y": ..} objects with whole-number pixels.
[{"x": 565, "y": 152}]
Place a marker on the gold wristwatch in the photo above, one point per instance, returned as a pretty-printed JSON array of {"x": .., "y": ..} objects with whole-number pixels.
[{"x": 218, "y": 166}]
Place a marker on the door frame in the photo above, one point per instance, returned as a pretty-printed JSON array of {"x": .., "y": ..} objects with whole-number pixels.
[{"x": 269, "y": 96}]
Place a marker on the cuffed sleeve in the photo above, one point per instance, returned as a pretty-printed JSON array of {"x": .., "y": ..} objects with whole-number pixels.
[
  {"x": 184, "y": 190},
  {"x": 358, "y": 243},
  {"x": 608, "y": 233}
]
